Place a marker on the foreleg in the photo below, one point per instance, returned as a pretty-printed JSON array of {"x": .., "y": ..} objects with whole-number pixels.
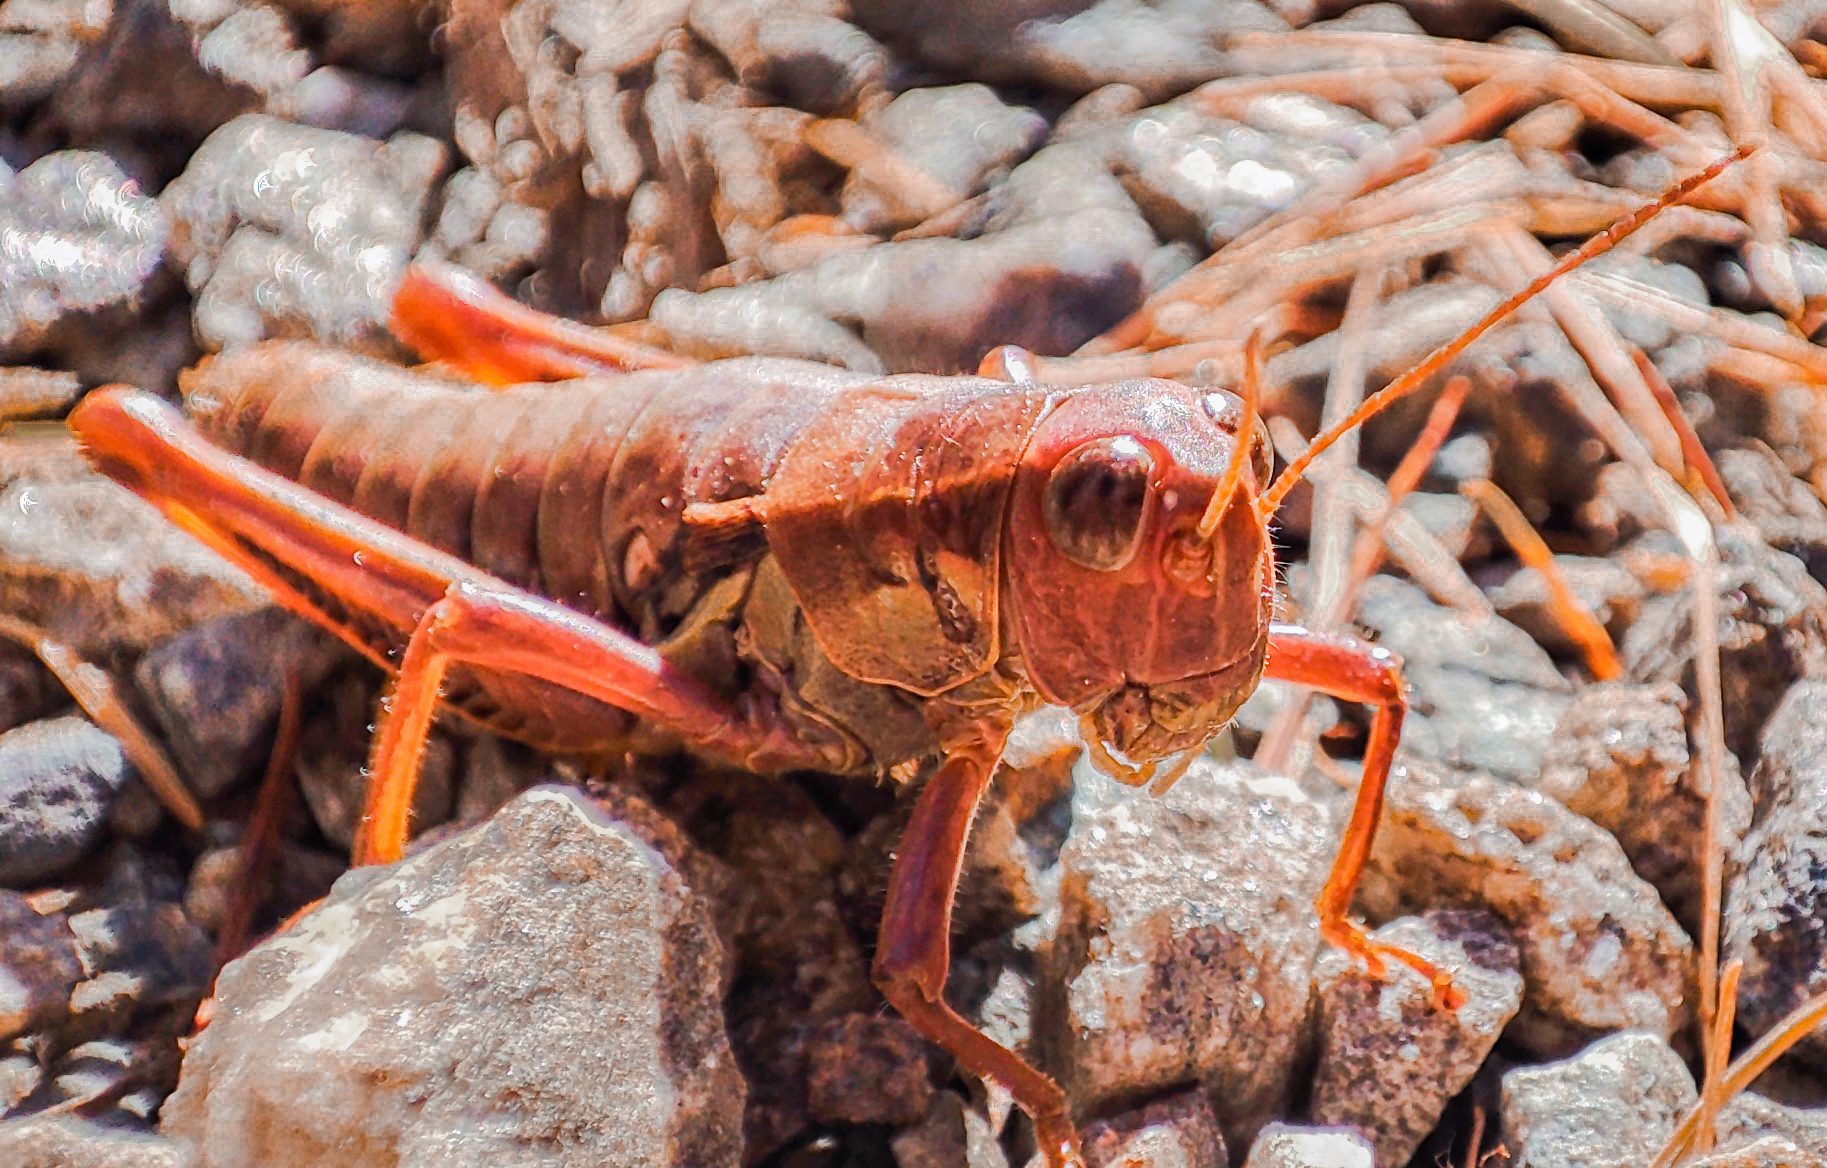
[{"x": 1356, "y": 672}]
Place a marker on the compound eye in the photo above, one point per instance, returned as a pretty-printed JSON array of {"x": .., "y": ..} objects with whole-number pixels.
[{"x": 1097, "y": 502}]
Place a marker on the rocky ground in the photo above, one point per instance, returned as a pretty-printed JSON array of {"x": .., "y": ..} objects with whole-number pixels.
[{"x": 1607, "y": 583}]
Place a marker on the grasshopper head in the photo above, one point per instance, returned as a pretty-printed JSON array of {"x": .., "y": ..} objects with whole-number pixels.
[{"x": 1122, "y": 611}]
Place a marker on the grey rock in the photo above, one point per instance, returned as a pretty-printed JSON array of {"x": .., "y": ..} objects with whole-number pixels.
[
  {"x": 1482, "y": 693},
  {"x": 1599, "y": 950},
  {"x": 58, "y": 778},
  {"x": 1614, "y": 1104},
  {"x": 543, "y": 989},
  {"x": 216, "y": 689},
  {"x": 1764, "y": 1152},
  {"x": 1177, "y": 1132},
  {"x": 1748, "y": 1116},
  {"x": 289, "y": 230},
  {"x": 1604, "y": 588},
  {"x": 953, "y": 1135},
  {"x": 38, "y": 967},
  {"x": 333, "y": 759},
  {"x": 140, "y": 955},
  {"x": 1186, "y": 941},
  {"x": 81, "y": 237},
  {"x": 955, "y": 134},
  {"x": 1390, "y": 1059},
  {"x": 1775, "y": 901},
  {"x": 64, "y": 1142},
  {"x": 1285, "y": 1146},
  {"x": 1772, "y": 631},
  {"x": 1620, "y": 758},
  {"x": 100, "y": 570}
]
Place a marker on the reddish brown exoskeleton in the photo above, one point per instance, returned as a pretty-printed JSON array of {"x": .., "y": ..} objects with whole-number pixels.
[{"x": 776, "y": 563}]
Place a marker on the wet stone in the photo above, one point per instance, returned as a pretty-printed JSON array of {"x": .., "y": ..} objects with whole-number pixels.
[
  {"x": 1177, "y": 1132},
  {"x": 1389, "y": 1058},
  {"x": 1599, "y": 951},
  {"x": 543, "y": 989},
  {"x": 58, "y": 778},
  {"x": 1613, "y": 1105},
  {"x": 1186, "y": 941},
  {"x": 216, "y": 689},
  {"x": 100, "y": 570},
  {"x": 38, "y": 968},
  {"x": 1775, "y": 901},
  {"x": 1285, "y": 1146},
  {"x": 868, "y": 1068},
  {"x": 1482, "y": 693}
]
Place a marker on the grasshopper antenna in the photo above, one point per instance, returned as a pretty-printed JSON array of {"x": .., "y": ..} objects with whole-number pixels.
[
  {"x": 1598, "y": 245},
  {"x": 1246, "y": 437}
]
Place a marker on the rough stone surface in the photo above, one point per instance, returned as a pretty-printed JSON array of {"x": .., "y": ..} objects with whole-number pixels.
[
  {"x": 1599, "y": 951},
  {"x": 38, "y": 967},
  {"x": 80, "y": 237},
  {"x": 1764, "y": 1152},
  {"x": 101, "y": 570},
  {"x": 1177, "y": 1132},
  {"x": 1482, "y": 694},
  {"x": 288, "y": 230},
  {"x": 58, "y": 778},
  {"x": 1775, "y": 901},
  {"x": 1614, "y": 1104},
  {"x": 75, "y": 1143},
  {"x": 216, "y": 689},
  {"x": 543, "y": 989},
  {"x": 868, "y": 1068},
  {"x": 1772, "y": 631},
  {"x": 1748, "y": 1116},
  {"x": 1186, "y": 941},
  {"x": 1286, "y": 1146},
  {"x": 1620, "y": 758},
  {"x": 952, "y": 1135},
  {"x": 1389, "y": 1058}
]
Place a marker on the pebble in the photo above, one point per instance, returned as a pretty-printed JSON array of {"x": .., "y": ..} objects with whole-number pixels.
[
  {"x": 287, "y": 230},
  {"x": 1775, "y": 901},
  {"x": 1285, "y": 1146},
  {"x": 1748, "y": 1116},
  {"x": 102, "y": 571},
  {"x": 64, "y": 1142},
  {"x": 1767, "y": 1152},
  {"x": 543, "y": 989},
  {"x": 1482, "y": 694},
  {"x": 955, "y": 134},
  {"x": 38, "y": 968},
  {"x": 140, "y": 955},
  {"x": 868, "y": 1068},
  {"x": 1611, "y": 1106},
  {"x": 216, "y": 689},
  {"x": 1599, "y": 950},
  {"x": 80, "y": 237},
  {"x": 1185, "y": 943},
  {"x": 1179, "y": 1131},
  {"x": 953, "y": 1134},
  {"x": 58, "y": 778},
  {"x": 1772, "y": 631},
  {"x": 1389, "y": 1058},
  {"x": 1620, "y": 758},
  {"x": 333, "y": 760}
]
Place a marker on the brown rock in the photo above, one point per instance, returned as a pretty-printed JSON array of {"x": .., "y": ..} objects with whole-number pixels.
[
  {"x": 38, "y": 967},
  {"x": 1390, "y": 1059},
  {"x": 1599, "y": 950},
  {"x": 1177, "y": 1132},
  {"x": 544, "y": 989},
  {"x": 953, "y": 1135},
  {"x": 868, "y": 1068}
]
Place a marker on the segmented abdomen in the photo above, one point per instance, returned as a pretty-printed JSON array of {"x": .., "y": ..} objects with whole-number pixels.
[{"x": 572, "y": 490}]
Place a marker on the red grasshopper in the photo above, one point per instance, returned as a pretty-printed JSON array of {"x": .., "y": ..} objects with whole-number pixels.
[{"x": 960, "y": 550}]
